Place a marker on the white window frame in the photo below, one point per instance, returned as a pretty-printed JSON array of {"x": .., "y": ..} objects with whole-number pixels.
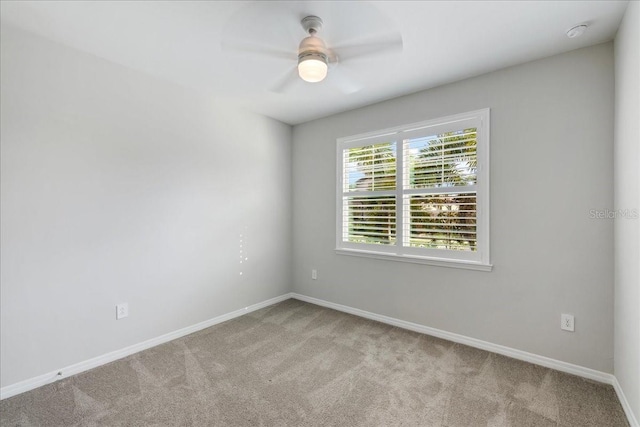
[{"x": 477, "y": 260}]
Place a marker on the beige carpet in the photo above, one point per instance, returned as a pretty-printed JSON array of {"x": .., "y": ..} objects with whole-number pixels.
[{"x": 297, "y": 364}]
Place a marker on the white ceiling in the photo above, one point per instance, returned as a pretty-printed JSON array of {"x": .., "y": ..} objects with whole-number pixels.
[{"x": 443, "y": 41}]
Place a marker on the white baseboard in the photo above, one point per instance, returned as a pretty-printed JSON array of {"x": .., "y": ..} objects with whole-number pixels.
[
  {"x": 472, "y": 342},
  {"x": 633, "y": 421},
  {"x": 30, "y": 384}
]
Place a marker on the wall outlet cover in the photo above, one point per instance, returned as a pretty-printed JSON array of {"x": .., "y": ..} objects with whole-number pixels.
[
  {"x": 567, "y": 322},
  {"x": 122, "y": 311}
]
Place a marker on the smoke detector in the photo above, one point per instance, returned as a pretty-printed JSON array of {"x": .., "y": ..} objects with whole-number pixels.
[{"x": 576, "y": 31}]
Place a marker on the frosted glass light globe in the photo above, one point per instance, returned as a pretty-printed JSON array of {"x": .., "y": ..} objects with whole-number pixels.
[{"x": 311, "y": 69}]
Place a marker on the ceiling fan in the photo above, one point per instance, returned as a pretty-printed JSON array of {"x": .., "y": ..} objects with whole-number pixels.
[{"x": 316, "y": 60}]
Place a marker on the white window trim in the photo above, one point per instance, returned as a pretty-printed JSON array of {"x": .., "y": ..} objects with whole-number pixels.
[{"x": 481, "y": 119}]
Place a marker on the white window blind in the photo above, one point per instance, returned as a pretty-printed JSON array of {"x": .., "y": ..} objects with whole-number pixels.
[
  {"x": 417, "y": 192},
  {"x": 369, "y": 201}
]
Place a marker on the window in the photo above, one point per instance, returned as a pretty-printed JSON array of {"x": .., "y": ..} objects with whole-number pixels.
[{"x": 417, "y": 193}]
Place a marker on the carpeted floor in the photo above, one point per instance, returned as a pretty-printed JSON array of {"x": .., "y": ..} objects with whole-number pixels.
[{"x": 297, "y": 364}]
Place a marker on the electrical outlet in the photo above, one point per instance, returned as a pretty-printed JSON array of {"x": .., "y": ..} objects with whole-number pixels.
[
  {"x": 567, "y": 322},
  {"x": 314, "y": 274},
  {"x": 122, "y": 311}
]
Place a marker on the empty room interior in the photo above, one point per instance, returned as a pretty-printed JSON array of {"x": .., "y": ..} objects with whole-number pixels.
[{"x": 331, "y": 213}]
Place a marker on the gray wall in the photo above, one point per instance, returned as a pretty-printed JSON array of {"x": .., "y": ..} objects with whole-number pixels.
[
  {"x": 627, "y": 196},
  {"x": 552, "y": 162},
  {"x": 120, "y": 188}
]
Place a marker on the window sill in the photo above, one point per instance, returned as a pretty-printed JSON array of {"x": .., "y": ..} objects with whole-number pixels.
[{"x": 467, "y": 265}]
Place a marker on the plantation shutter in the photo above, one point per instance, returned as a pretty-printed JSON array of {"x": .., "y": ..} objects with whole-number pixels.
[
  {"x": 440, "y": 195},
  {"x": 369, "y": 194}
]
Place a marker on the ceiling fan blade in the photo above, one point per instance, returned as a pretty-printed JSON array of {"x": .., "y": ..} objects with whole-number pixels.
[
  {"x": 258, "y": 49},
  {"x": 343, "y": 81},
  {"x": 367, "y": 47},
  {"x": 286, "y": 81},
  {"x": 294, "y": 33}
]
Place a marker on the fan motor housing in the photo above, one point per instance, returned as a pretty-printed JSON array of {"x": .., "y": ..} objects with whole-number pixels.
[{"x": 312, "y": 45}]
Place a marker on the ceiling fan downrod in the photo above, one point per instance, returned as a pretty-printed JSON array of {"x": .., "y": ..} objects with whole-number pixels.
[{"x": 311, "y": 24}]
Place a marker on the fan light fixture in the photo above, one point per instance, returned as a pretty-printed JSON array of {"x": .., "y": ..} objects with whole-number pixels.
[
  {"x": 312, "y": 52},
  {"x": 312, "y": 67}
]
